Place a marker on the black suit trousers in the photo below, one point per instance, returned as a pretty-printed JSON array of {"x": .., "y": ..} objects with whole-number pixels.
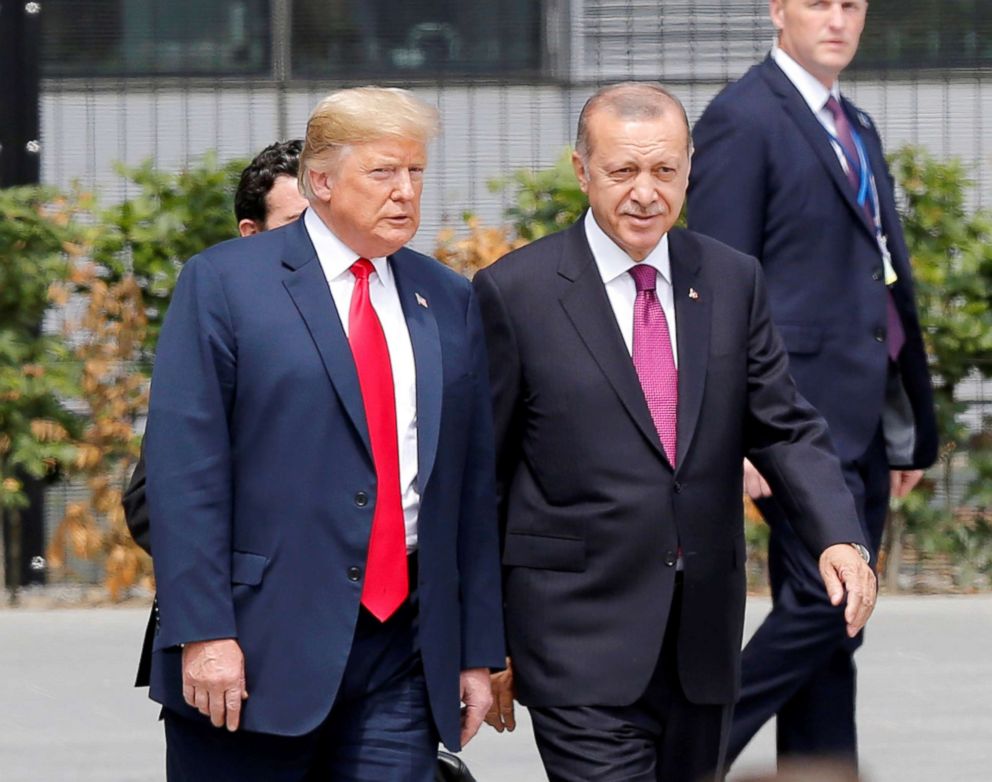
[{"x": 661, "y": 737}]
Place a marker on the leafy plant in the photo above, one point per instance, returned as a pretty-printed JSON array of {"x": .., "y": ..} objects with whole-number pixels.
[
  {"x": 173, "y": 217},
  {"x": 124, "y": 294},
  {"x": 546, "y": 200},
  {"x": 107, "y": 339},
  {"x": 951, "y": 253},
  {"x": 38, "y": 239}
]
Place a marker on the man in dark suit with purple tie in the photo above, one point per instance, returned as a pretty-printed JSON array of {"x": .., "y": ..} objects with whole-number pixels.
[
  {"x": 788, "y": 170},
  {"x": 634, "y": 366}
]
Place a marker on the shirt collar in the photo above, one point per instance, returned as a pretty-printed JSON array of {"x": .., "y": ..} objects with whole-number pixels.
[
  {"x": 613, "y": 262},
  {"x": 812, "y": 90},
  {"x": 334, "y": 255}
]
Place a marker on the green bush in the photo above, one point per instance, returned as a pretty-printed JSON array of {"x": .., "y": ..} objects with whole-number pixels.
[
  {"x": 951, "y": 253},
  {"x": 172, "y": 217},
  {"x": 38, "y": 235},
  {"x": 546, "y": 200}
]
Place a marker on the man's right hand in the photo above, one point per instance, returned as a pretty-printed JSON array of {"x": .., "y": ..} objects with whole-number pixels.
[
  {"x": 500, "y": 714},
  {"x": 755, "y": 486},
  {"x": 214, "y": 680}
]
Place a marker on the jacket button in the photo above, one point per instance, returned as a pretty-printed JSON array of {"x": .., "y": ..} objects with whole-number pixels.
[
  {"x": 354, "y": 573},
  {"x": 670, "y": 558},
  {"x": 677, "y": 487},
  {"x": 880, "y": 334},
  {"x": 361, "y": 499},
  {"x": 876, "y": 275}
]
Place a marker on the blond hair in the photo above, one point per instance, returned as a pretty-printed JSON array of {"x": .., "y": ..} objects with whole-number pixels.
[{"x": 357, "y": 115}]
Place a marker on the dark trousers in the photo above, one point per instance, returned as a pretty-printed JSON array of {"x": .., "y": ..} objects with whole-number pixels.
[
  {"x": 379, "y": 729},
  {"x": 661, "y": 737},
  {"x": 799, "y": 664}
]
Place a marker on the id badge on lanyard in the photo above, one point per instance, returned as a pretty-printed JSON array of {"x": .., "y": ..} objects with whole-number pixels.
[{"x": 867, "y": 189}]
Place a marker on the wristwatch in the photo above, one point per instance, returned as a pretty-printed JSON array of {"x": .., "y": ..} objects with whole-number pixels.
[{"x": 863, "y": 552}]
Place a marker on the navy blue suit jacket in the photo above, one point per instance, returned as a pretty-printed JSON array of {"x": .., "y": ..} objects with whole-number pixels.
[
  {"x": 262, "y": 485},
  {"x": 766, "y": 180}
]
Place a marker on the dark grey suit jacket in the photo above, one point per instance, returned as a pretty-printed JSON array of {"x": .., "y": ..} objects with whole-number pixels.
[{"x": 592, "y": 512}]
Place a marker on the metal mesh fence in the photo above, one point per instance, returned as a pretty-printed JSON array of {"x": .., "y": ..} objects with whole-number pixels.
[{"x": 167, "y": 81}]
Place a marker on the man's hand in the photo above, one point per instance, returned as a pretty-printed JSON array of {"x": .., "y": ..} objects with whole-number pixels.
[
  {"x": 214, "y": 680},
  {"x": 477, "y": 696},
  {"x": 755, "y": 486},
  {"x": 901, "y": 482},
  {"x": 500, "y": 714},
  {"x": 843, "y": 569}
]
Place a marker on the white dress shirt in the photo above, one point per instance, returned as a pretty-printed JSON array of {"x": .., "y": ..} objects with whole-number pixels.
[
  {"x": 336, "y": 259},
  {"x": 815, "y": 95},
  {"x": 613, "y": 264}
]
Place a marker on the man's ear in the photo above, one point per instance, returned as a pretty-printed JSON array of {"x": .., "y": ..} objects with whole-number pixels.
[
  {"x": 581, "y": 172},
  {"x": 320, "y": 184},
  {"x": 775, "y": 11},
  {"x": 248, "y": 227}
]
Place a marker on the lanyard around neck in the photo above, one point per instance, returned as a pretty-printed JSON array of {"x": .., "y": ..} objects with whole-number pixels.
[
  {"x": 868, "y": 193},
  {"x": 861, "y": 164}
]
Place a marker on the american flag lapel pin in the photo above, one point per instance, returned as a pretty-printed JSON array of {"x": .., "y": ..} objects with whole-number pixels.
[
  {"x": 693, "y": 294},
  {"x": 421, "y": 300}
]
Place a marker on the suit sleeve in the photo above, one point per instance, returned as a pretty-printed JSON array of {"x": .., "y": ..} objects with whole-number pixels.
[
  {"x": 478, "y": 535},
  {"x": 505, "y": 380},
  {"x": 788, "y": 441},
  {"x": 187, "y": 448},
  {"x": 135, "y": 502},
  {"x": 727, "y": 193}
]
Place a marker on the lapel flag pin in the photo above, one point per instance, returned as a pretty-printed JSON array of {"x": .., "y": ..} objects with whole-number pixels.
[
  {"x": 693, "y": 294},
  {"x": 421, "y": 300}
]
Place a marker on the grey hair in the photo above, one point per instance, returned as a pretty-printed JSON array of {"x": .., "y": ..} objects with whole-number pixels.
[{"x": 634, "y": 100}]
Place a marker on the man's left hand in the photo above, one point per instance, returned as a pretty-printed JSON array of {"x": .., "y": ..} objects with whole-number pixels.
[
  {"x": 477, "y": 697},
  {"x": 901, "y": 482},
  {"x": 500, "y": 714},
  {"x": 843, "y": 570}
]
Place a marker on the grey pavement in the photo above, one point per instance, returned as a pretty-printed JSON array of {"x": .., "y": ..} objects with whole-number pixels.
[{"x": 68, "y": 712}]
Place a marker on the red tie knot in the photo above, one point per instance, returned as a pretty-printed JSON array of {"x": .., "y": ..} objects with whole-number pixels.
[
  {"x": 362, "y": 268},
  {"x": 645, "y": 277}
]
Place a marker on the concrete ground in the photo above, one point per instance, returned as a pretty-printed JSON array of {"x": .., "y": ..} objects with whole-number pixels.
[{"x": 68, "y": 712}]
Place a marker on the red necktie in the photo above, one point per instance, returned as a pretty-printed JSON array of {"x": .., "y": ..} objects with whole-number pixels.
[
  {"x": 653, "y": 358},
  {"x": 386, "y": 584}
]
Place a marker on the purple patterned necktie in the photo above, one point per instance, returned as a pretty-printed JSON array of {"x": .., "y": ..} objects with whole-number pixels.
[
  {"x": 846, "y": 139},
  {"x": 653, "y": 357},
  {"x": 896, "y": 333}
]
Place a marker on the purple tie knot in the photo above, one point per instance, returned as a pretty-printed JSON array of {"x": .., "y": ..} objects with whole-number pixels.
[
  {"x": 645, "y": 277},
  {"x": 834, "y": 108}
]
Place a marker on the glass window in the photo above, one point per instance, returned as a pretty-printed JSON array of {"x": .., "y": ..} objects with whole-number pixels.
[
  {"x": 155, "y": 37},
  {"x": 415, "y": 38},
  {"x": 910, "y": 34}
]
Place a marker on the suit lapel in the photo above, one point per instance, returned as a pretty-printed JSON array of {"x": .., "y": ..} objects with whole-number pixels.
[
  {"x": 415, "y": 297},
  {"x": 692, "y": 323},
  {"x": 588, "y": 308},
  {"x": 798, "y": 110},
  {"x": 308, "y": 289}
]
